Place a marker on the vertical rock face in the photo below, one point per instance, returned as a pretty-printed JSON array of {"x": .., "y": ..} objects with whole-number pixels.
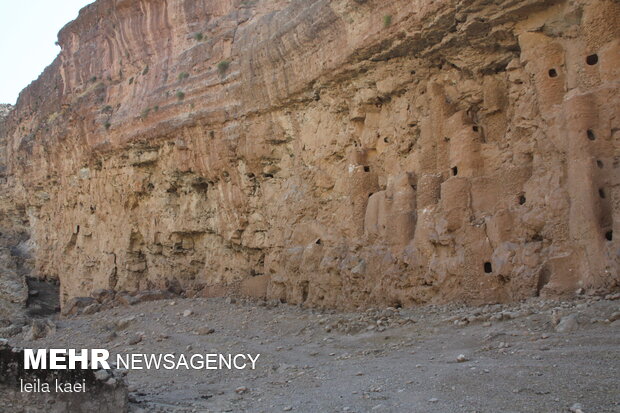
[
  {"x": 14, "y": 249},
  {"x": 337, "y": 153}
]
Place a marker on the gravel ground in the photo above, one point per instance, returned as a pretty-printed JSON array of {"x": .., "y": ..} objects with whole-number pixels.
[{"x": 536, "y": 356}]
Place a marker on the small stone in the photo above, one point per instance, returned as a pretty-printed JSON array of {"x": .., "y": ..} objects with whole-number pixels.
[
  {"x": 576, "y": 408},
  {"x": 241, "y": 390},
  {"x": 102, "y": 375},
  {"x": 91, "y": 309},
  {"x": 203, "y": 331},
  {"x": 433, "y": 400},
  {"x": 187, "y": 313},
  {"x": 135, "y": 339},
  {"x": 287, "y": 408},
  {"x": 124, "y": 322},
  {"x": 461, "y": 358},
  {"x": 40, "y": 329},
  {"x": 568, "y": 323}
]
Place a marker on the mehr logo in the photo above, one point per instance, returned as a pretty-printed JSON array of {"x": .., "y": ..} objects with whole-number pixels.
[{"x": 60, "y": 359}]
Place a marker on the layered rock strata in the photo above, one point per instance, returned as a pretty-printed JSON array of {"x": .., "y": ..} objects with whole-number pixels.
[{"x": 333, "y": 153}]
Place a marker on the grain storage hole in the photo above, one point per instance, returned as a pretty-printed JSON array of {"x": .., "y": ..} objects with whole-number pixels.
[
  {"x": 601, "y": 193},
  {"x": 455, "y": 170},
  {"x": 553, "y": 73},
  {"x": 304, "y": 291},
  {"x": 474, "y": 128},
  {"x": 488, "y": 268},
  {"x": 609, "y": 235},
  {"x": 522, "y": 199},
  {"x": 599, "y": 163},
  {"x": 591, "y": 134},
  {"x": 318, "y": 241},
  {"x": 543, "y": 279},
  {"x": 592, "y": 59},
  {"x": 367, "y": 169}
]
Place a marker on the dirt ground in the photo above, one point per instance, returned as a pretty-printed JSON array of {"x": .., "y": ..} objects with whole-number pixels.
[{"x": 537, "y": 356}]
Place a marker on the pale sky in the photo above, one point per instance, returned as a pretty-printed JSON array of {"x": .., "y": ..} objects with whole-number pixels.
[{"x": 28, "y": 31}]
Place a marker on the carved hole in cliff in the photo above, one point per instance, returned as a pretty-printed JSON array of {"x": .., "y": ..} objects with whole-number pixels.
[
  {"x": 370, "y": 194},
  {"x": 318, "y": 241},
  {"x": 267, "y": 175},
  {"x": 591, "y": 134},
  {"x": 553, "y": 73},
  {"x": 474, "y": 128},
  {"x": 488, "y": 268},
  {"x": 304, "y": 291},
  {"x": 150, "y": 186},
  {"x": 367, "y": 169},
  {"x": 414, "y": 187},
  {"x": 455, "y": 171},
  {"x": 211, "y": 134},
  {"x": 543, "y": 279},
  {"x": 522, "y": 199},
  {"x": 609, "y": 235},
  {"x": 601, "y": 193},
  {"x": 592, "y": 59},
  {"x": 599, "y": 163},
  {"x": 536, "y": 237},
  {"x": 386, "y": 140},
  {"x": 200, "y": 186}
]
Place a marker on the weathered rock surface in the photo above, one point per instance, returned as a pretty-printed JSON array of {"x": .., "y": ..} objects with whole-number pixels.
[
  {"x": 13, "y": 233},
  {"x": 347, "y": 153}
]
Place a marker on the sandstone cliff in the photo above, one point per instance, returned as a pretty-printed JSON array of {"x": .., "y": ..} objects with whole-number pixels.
[{"x": 337, "y": 153}]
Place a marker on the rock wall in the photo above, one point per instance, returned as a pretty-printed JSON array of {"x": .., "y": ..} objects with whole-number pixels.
[
  {"x": 13, "y": 249},
  {"x": 333, "y": 153}
]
